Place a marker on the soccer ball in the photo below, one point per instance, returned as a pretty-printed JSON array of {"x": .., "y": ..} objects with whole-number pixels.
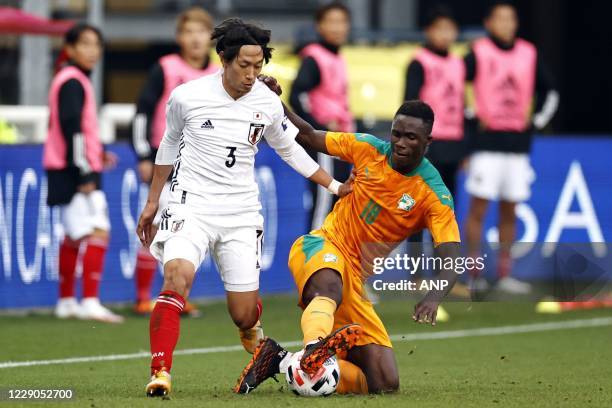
[{"x": 322, "y": 384}]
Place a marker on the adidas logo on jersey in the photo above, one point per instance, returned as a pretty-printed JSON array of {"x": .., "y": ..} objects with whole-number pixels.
[{"x": 207, "y": 125}]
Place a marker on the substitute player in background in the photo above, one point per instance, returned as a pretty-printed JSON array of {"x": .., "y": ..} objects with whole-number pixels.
[
  {"x": 213, "y": 126},
  {"x": 396, "y": 193},
  {"x": 74, "y": 159},
  {"x": 319, "y": 94},
  {"x": 437, "y": 77},
  {"x": 193, "y": 29},
  {"x": 507, "y": 73}
]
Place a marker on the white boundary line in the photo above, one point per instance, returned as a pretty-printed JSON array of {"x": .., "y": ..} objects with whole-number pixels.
[{"x": 449, "y": 334}]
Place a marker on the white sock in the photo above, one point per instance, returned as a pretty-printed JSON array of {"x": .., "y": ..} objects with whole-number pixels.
[{"x": 282, "y": 366}]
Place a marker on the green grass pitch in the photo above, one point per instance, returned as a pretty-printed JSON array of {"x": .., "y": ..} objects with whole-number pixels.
[{"x": 556, "y": 368}]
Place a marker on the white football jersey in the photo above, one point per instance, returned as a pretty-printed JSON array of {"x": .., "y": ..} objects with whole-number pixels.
[{"x": 212, "y": 141}]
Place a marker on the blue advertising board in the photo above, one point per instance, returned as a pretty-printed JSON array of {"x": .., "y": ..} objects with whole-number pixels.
[
  {"x": 30, "y": 232},
  {"x": 571, "y": 202}
]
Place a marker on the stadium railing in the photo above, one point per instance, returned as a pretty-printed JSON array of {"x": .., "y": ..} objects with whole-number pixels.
[{"x": 31, "y": 121}]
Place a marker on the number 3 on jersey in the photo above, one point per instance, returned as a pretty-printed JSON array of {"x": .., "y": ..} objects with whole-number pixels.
[
  {"x": 231, "y": 157},
  {"x": 370, "y": 212}
]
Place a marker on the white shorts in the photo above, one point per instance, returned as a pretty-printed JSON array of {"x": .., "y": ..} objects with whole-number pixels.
[
  {"x": 164, "y": 200},
  {"x": 235, "y": 241},
  {"x": 500, "y": 176},
  {"x": 84, "y": 214}
]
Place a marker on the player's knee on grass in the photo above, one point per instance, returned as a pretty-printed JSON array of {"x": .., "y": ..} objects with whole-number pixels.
[
  {"x": 242, "y": 307},
  {"x": 384, "y": 384},
  {"x": 382, "y": 375},
  {"x": 325, "y": 282},
  {"x": 178, "y": 276},
  {"x": 379, "y": 366}
]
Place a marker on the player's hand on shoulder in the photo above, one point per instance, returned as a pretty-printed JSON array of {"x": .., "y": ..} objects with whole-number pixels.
[
  {"x": 347, "y": 187},
  {"x": 145, "y": 229},
  {"x": 271, "y": 83},
  {"x": 426, "y": 311}
]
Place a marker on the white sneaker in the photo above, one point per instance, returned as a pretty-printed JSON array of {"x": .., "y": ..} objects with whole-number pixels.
[
  {"x": 91, "y": 309},
  {"x": 67, "y": 308},
  {"x": 513, "y": 286}
]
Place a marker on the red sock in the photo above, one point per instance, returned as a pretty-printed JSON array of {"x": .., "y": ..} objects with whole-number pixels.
[
  {"x": 93, "y": 265},
  {"x": 164, "y": 328},
  {"x": 68, "y": 254},
  {"x": 146, "y": 266}
]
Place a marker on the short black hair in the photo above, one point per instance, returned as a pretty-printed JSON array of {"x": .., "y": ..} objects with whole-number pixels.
[
  {"x": 233, "y": 33},
  {"x": 499, "y": 3},
  {"x": 437, "y": 12},
  {"x": 334, "y": 5},
  {"x": 73, "y": 35},
  {"x": 417, "y": 109}
]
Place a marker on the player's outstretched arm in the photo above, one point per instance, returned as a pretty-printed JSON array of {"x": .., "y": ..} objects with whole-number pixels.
[
  {"x": 425, "y": 311},
  {"x": 308, "y": 137}
]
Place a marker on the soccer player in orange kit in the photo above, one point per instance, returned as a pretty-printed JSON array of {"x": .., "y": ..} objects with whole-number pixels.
[{"x": 396, "y": 193}]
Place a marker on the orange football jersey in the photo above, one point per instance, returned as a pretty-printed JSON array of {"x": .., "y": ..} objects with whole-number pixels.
[{"x": 386, "y": 207}]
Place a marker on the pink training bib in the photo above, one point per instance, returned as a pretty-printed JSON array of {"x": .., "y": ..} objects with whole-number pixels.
[
  {"x": 176, "y": 71},
  {"x": 329, "y": 100},
  {"x": 504, "y": 84},
  {"x": 54, "y": 154},
  {"x": 443, "y": 90}
]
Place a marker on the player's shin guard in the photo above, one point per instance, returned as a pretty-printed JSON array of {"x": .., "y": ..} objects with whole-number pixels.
[
  {"x": 93, "y": 266},
  {"x": 146, "y": 265},
  {"x": 68, "y": 254},
  {"x": 318, "y": 318},
  {"x": 352, "y": 379},
  {"x": 164, "y": 328}
]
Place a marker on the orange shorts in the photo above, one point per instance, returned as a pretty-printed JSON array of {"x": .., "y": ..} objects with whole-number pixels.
[{"x": 313, "y": 252}]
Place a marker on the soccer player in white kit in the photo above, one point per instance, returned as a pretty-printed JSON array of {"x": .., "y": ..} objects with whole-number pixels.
[{"x": 213, "y": 126}]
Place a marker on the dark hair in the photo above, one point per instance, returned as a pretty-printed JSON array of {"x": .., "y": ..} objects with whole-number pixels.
[
  {"x": 334, "y": 5},
  {"x": 440, "y": 11},
  {"x": 499, "y": 3},
  {"x": 417, "y": 109},
  {"x": 73, "y": 35},
  {"x": 233, "y": 33}
]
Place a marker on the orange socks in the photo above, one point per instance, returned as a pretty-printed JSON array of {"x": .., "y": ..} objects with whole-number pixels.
[
  {"x": 318, "y": 321},
  {"x": 352, "y": 379},
  {"x": 318, "y": 318}
]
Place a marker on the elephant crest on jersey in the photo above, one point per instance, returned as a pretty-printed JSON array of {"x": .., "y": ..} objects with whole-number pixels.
[{"x": 406, "y": 202}]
